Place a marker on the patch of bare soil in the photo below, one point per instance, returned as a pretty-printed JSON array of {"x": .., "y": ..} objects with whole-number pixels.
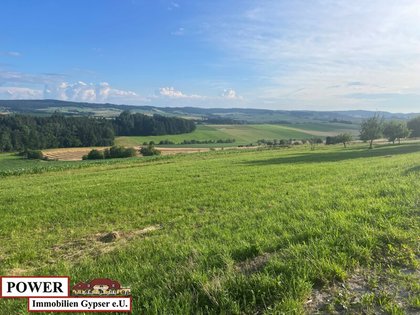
[
  {"x": 253, "y": 265},
  {"x": 98, "y": 244},
  {"x": 68, "y": 154},
  {"x": 89, "y": 246},
  {"x": 366, "y": 292},
  {"x": 76, "y": 154}
]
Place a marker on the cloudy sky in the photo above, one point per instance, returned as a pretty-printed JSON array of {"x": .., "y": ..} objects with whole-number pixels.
[{"x": 278, "y": 54}]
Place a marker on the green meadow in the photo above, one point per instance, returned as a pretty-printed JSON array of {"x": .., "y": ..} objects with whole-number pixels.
[
  {"x": 280, "y": 231},
  {"x": 245, "y": 134}
]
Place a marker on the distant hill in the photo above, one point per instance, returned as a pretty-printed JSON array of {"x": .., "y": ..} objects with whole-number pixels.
[{"x": 213, "y": 115}]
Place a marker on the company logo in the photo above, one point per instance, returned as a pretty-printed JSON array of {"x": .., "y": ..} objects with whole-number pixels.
[
  {"x": 100, "y": 286},
  {"x": 52, "y": 294}
]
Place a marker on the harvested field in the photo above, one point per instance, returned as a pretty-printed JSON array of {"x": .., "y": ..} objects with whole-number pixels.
[
  {"x": 76, "y": 154},
  {"x": 68, "y": 154}
]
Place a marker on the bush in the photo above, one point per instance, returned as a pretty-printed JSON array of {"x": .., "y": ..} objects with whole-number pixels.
[
  {"x": 111, "y": 153},
  {"x": 34, "y": 154},
  {"x": 94, "y": 155},
  {"x": 331, "y": 140},
  {"x": 343, "y": 138},
  {"x": 165, "y": 142},
  {"x": 149, "y": 151},
  {"x": 117, "y": 152},
  {"x": 414, "y": 126}
]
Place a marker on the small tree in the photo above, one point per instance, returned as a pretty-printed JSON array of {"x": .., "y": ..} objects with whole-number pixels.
[
  {"x": 34, "y": 154},
  {"x": 149, "y": 150},
  {"x": 394, "y": 130},
  {"x": 94, "y": 155},
  {"x": 371, "y": 129},
  {"x": 314, "y": 141},
  {"x": 344, "y": 138},
  {"x": 414, "y": 126}
]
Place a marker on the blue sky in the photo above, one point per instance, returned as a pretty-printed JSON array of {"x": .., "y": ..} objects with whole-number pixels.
[{"x": 278, "y": 54}]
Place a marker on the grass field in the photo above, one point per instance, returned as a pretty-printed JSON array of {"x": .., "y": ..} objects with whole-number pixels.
[
  {"x": 226, "y": 232},
  {"x": 245, "y": 134}
]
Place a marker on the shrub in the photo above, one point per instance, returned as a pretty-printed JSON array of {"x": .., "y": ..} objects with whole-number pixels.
[
  {"x": 331, "y": 140},
  {"x": 165, "y": 142},
  {"x": 414, "y": 126},
  {"x": 149, "y": 151},
  {"x": 343, "y": 138},
  {"x": 116, "y": 152},
  {"x": 34, "y": 154},
  {"x": 94, "y": 155}
]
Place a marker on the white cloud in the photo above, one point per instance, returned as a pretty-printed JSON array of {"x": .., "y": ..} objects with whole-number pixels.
[
  {"x": 171, "y": 92},
  {"x": 15, "y": 93},
  {"x": 230, "y": 94},
  {"x": 88, "y": 92},
  {"x": 17, "y": 85}
]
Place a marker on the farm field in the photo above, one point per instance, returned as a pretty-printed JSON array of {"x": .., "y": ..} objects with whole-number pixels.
[
  {"x": 234, "y": 232},
  {"x": 246, "y": 134},
  {"x": 76, "y": 154}
]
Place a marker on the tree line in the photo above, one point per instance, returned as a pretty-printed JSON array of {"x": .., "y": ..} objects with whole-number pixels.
[
  {"x": 128, "y": 124},
  {"x": 21, "y": 132},
  {"x": 193, "y": 141}
]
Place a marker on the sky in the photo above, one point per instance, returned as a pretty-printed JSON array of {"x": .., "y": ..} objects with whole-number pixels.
[{"x": 274, "y": 54}]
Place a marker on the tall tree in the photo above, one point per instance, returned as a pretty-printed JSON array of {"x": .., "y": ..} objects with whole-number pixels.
[
  {"x": 396, "y": 130},
  {"x": 371, "y": 129},
  {"x": 344, "y": 138}
]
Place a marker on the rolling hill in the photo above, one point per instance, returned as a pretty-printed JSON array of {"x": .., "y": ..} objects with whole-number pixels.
[{"x": 241, "y": 115}]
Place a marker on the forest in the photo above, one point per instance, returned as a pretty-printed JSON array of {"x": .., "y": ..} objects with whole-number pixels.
[
  {"x": 19, "y": 132},
  {"x": 129, "y": 124}
]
